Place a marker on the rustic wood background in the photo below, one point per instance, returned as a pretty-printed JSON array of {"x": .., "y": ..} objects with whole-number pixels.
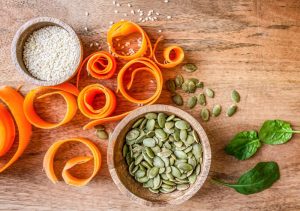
[{"x": 253, "y": 46}]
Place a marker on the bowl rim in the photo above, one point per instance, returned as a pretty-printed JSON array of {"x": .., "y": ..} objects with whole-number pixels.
[
  {"x": 18, "y": 35},
  {"x": 206, "y": 155}
]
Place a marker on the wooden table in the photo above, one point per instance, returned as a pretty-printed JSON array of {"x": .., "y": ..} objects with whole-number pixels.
[{"x": 251, "y": 46}]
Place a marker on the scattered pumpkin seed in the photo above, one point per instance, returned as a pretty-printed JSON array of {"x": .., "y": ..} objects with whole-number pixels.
[
  {"x": 102, "y": 134},
  {"x": 235, "y": 96},
  {"x": 179, "y": 80},
  {"x": 216, "y": 111},
  {"x": 201, "y": 99},
  {"x": 177, "y": 99},
  {"x": 191, "y": 87},
  {"x": 209, "y": 93},
  {"x": 185, "y": 86},
  {"x": 192, "y": 102},
  {"x": 231, "y": 110},
  {"x": 170, "y": 85},
  {"x": 189, "y": 67},
  {"x": 205, "y": 114},
  {"x": 200, "y": 84}
]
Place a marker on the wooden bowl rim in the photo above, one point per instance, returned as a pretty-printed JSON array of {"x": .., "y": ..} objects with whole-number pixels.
[
  {"x": 20, "y": 33},
  {"x": 206, "y": 155}
]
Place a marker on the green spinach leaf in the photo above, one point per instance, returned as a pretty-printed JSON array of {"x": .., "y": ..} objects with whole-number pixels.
[
  {"x": 243, "y": 145},
  {"x": 261, "y": 177},
  {"x": 276, "y": 132}
]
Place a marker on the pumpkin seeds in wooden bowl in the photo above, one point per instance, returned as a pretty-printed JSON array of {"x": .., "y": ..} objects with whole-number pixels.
[{"x": 159, "y": 155}]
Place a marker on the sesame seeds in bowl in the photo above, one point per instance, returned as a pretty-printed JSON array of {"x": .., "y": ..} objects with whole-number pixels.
[{"x": 46, "y": 51}]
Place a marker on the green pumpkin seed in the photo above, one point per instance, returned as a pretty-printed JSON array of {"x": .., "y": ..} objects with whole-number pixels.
[
  {"x": 128, "y": 159},
  {"x": 99, "y": 127},
  {"x": 157, "y": 182},
  {"x": 182, "y": 187},
  {"x": 143, "y": 179},
  {"x": 168, "y": 169},
  {"x": 182, "y": 125},
  {"x": 185, "y": 86},
  {"x": 209, "y": 93},
  {"x": 164, "y": 190},
  {"x": 143, "y": 124},
  {"x": 133, "y": 134},
  {"x": 170, "y": 85},
  {"x": 170, "y": 118},
  {"x": 164, "y": 176},
  {"x": 167, "y": 182},
  {"x": 177, "y": 99},
  {"x": 138, "y": 123},
  {"x": 168, "y": 145},
  {"x": 150, "y": 125},
  {"x": 192, "y": 101},
  {"x": 149, "y": 142},
  {"x": 172, "y": 161},
  {"x": 149, "y": 152},
  {"x": 235, "y": 96},
  {"x": 180, "y": 155},
  {"x": 183, "y": 135},
  {"x": 146, "y": 164},
  {"x": 140, "y": 138},
  {"x": 161, "y": 119},
  {"x": 162, "y": 170},
  {"x": 216, "y": 111},
  {"x": 153, "y": 191},
  {"x": 231, "y": 110},
  {"x": 188, "y": 149},
  {"x": 189, "y": 67},
  {"x": 166, "y": 161},
  {"x": 175, "y": 172},
  {"x": 177, "y": 135},
  {"x": 150, "y": 134},
  {"x": 148, "y": 184},
  {"x": 102, "y": 134},
  {"x": 165, "y": 186},
  {"x": 151, "y": 115},
  {"x": 183, "y": 175},
  {"x": 198, "y": 168},
  {"x": 138, "y": 159},
  {"x": 147, "y": 158},
  {"x": 189, "y": 141},
  {"x": 158, "y": 162},
  {"x": 191, "y": 87},
  {"x": 178, "y": 143},
  {"x": 125, "y": 150},
  {"x": 156, "y": 149},
  {"x": 192, "y": 178},
  {"x": 179, "y": 80},
  {"x": 164, "y": 153},
  {"x": 159, "y": 133},
  {"x": 192, "y": 161},
  {"x": 201, "y": 99},
  {"x": 185, "y": 167},
  {"x": 142, "y": 167},
  {"x": 189, "y": 173},
  {"x": 140, "y": 173},
  {"x": 197, "y": 151},
  {"x": 169, "y": 125},
  {"x": 194, "y": 80},
  {"x": 153, "y": 172},
  {"x": 200, "y": 85},
  {"x": 205, "y": 114}
]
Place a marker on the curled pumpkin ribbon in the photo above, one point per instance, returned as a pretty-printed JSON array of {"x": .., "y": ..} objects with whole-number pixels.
[
  {"x": 87, "y": 96},
  {"x": 125, "y": 28},
  {"x": 144, "y": 64},
  {"x": 100, "y": 65},
  {"x": 66, "y": 175},
  {"x": 173, "y": 55},
  {"x": 13, "y": 99},
  {"x": 66, "y": 90}
]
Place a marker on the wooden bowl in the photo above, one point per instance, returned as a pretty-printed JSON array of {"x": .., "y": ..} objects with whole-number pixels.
[
  {"x": 119, "y": 169},
  {"x": 22, "y": 35}
]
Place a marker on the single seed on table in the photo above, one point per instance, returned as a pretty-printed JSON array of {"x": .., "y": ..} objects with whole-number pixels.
[
  {"x": 185, "y": 86},
  {"x": 170, "y": 84},
  {"x": 177, "y": 99},
  {"x": 202, "y": 99},
  {"x": 102, "y": 134},
  {"x": 209, "y": 93},
  {"x": 231, "y": 110},
  {"x": 235, "y": 96},
  {"x": 205, "y": 114},
  {"x": 216, "y": 111},
  {"x": 191, "y": 87},
  {"x": 191, "y": 103},
  {"x": 179, "y": 80},
  {"x": 195, "y": 80},
  {"x": 189, "y": 67},
  {"x": 200, "y": 85}
]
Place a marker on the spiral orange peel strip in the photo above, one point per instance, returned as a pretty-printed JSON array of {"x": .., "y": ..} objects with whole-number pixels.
[
  {"x": 125, "y": 28},
  {"x": 147, "y": 65},
  {"x": 86, "y": 98},
  {"x": 169, "y": 62},
  {"x": 48, "y": 163},
  {"x": 13, "y": 99},
  {"x": 66, "y": 90}
]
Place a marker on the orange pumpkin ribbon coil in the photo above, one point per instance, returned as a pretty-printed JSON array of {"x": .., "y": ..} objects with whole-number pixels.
[
  {"x": 145, "y": 65},
  {"x": 13, "y": 99},
  {"x": 66, "y": 175},
  {"x": 173, "y": 55},
  {"x": 66, "y": 90},
  {"x": 125, "y": 28}
]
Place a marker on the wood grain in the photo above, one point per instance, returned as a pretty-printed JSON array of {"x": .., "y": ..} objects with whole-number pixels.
[{"x": 252, "y": 46}]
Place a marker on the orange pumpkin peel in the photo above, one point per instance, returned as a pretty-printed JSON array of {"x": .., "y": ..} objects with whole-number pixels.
[
  {"x": 66, "y": 90},
  {"x": 13, "y": 99},
  {"x": 66, "y": 175}
]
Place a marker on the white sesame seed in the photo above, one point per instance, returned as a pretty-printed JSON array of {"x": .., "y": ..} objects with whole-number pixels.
[
  {"x": 141, "y": 14},
  {"x": 114, "y": 2},
  {"x": 129, "y": 5},
  {"x": 140, "y": 19},
  {"x": 118, "y": 4},
  {"x": 86, "y": 13},
  {"x": 169, "y": 17},
  {"x": 157, "y": 13},
  {"x": 143, "y": 21},
  {"x": 111, "y": 22},
  {"x": 96, "y": 44},
  {"x": 138, "y": 10},
  {"x": 146, "y": 19},
  {"x": 132, "y": 12},
  {"x": 125, "y": 14},
  {"x": 116, "y": 11},
  {"x": 166, "y": 1},
  {"x": 159, "y": 31},
  {"x": 85, "y": 28},
  {"x": 155, "y": 18},
  {"x": 91, "y": 45}
]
